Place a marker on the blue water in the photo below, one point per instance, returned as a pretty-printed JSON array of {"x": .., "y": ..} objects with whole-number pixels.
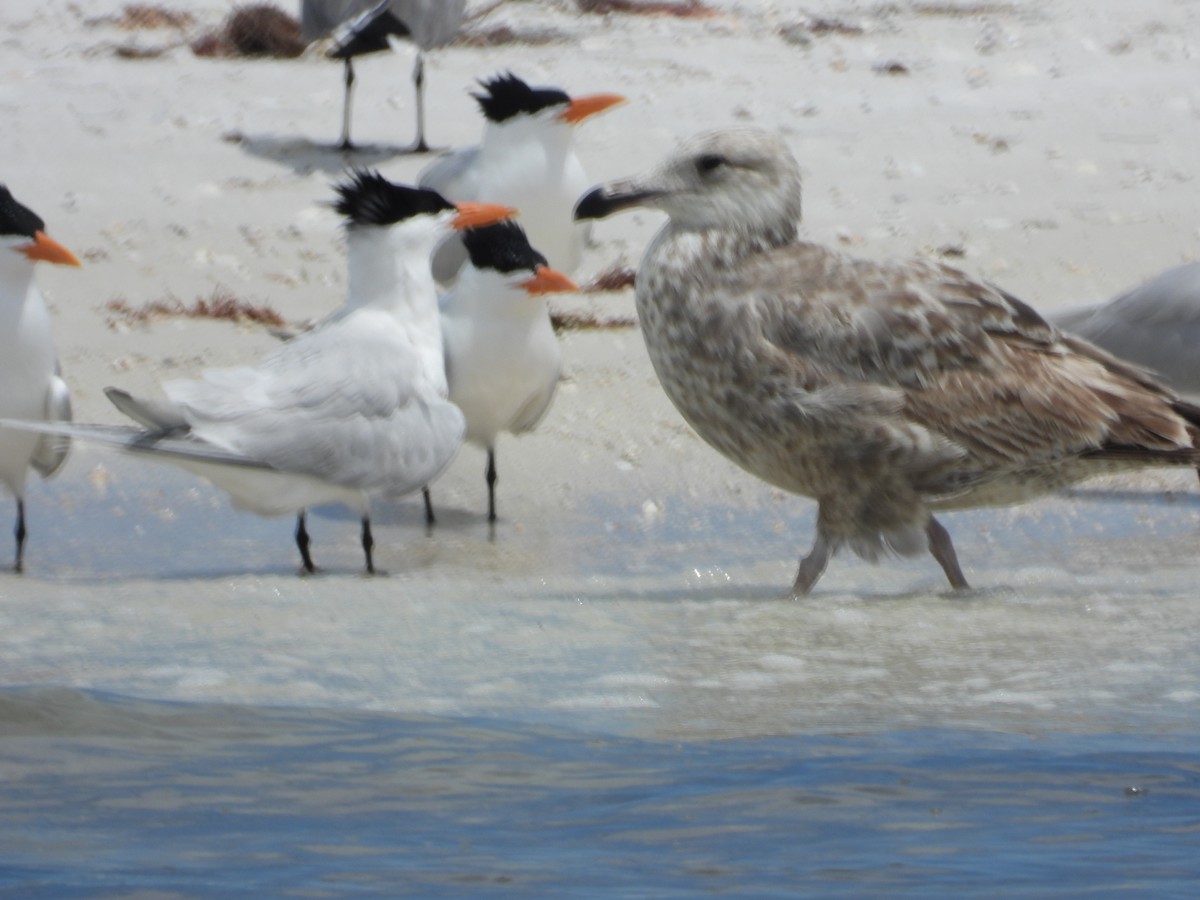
[
  {"x": 595, "y": 705},
  {"x": 105, "y": 795}
]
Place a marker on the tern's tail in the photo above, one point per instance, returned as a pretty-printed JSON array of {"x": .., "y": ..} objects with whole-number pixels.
[{"x": 132, "y": 439}]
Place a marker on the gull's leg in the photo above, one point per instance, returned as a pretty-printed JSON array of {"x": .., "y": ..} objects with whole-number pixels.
[
  {"x": 811, "y": 567},
  {"x": 302, "y": 542},
  {"x": 490, "y": 476},
  {"x": 368, "y": 544},
  {"x": 19, "y": 532},
  {"x": 942, "y": 549},
  {"x": 349, "y": 78},
  {"x": 430, "y": 521}
]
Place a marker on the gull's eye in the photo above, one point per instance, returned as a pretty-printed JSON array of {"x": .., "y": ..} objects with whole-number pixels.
[{"x": 708, "y": 162}]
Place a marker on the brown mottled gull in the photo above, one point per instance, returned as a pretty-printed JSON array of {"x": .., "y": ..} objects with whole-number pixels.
[{"x": 884, "y": 390}]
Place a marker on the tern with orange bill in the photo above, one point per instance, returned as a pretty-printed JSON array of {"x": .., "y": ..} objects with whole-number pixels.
[
  {"x": 353, "y": 409},
  {"x": 31, "y": 386},
  {"x": 526, "y": 159},
  {"x": 503, "y": 360}
]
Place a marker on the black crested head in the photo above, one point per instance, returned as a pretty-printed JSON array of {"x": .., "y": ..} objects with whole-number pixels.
[
  {"x": 507, "y": 95},
  {"x": 370, "y": 199},
  {"x": 502, "y": 247},
  {"x": 15, "y": 219}
]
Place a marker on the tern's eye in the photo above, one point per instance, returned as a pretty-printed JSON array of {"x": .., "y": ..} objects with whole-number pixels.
[{"x": 709, "y": 162}]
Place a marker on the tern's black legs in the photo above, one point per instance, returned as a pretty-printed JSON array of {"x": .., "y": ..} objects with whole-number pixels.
[
  {"x": 368, "y": 544},
  {"x": 430, "y": 520},
  {"x": 490, "y": 475},
  {"x": 349, "y": 73},
  {"x": 302, "y": 542},
  {"x": 19, "y": 532},
  {"x": 419, "y": 86}
]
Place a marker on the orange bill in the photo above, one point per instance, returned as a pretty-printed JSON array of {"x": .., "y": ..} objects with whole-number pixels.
[
  {"x": 584, "y": 107},
  {"x": 48, "y": 250},
  {"x": 476, "y": 215},
  {"x": 549, "y": 281}
]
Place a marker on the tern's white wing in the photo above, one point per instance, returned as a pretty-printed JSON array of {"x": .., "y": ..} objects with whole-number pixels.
[
  {"x": 454, "y": 175},
  {"x": 346, "y": 404},
  {"x": 51, "y": 451}
]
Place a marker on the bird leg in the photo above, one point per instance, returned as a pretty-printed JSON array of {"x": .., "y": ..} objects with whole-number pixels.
[
  {"x": 19, "y": 532},
  {"x": 490, "y": 476},
  {"x": 368, "y": 544},
  {"x": 811, "y": 567},
  {"x": 419, "y": 86},
  {"x": 430, "y": 521},
  {"x": 942, "y": 549},
  {"x": 302, "y": 542},
  {"x": 349, "y": 73}
]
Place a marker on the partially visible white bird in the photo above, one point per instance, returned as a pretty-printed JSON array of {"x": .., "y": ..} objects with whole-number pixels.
[
  {"x": 354, "y": 408},
  {"x": 31, "y": 386},
  {"x": 1156, "y": 325},
  {"x": 503, "y": 360},
  {"x": 360, "y": 27},
  {"x": 526, "y": 159},
  {"x": 884, "y": 390}
]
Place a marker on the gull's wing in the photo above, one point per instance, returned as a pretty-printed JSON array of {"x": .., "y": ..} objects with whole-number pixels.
[
  {"x": 433, "y": 23},
  {"x": 346, "y": 404},
  {"x": 1156, "y": 324},
  {"x": 975, "y": 365},
  {"x": 51, "y": 451}
]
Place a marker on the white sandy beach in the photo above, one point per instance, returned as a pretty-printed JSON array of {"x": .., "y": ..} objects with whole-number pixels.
[{"x": 1047, "y": 146}]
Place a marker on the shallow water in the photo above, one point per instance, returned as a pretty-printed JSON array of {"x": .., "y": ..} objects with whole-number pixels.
[
  {"x": 106, "y": 794},
  {"x": 613, "y": 703}
]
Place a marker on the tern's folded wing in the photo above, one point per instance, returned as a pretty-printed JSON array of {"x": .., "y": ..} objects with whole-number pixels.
[{"x": 358, "y": 413}]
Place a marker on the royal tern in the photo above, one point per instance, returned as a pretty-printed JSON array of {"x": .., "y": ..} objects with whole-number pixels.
[
  {"x": 884, "y": 390},
  {"x": 354, "y": 408},
  {"x": 31, "y": 386},
  {"x": 526, "y": 159},
  {"x": 359, "y": 27},
  {"x": 1156, "y": 325},
  {"x": 502, "y": 358}
]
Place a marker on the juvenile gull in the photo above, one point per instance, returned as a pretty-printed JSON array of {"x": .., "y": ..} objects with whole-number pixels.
[
  {"x": 526, "y": 159},
  {"x": 354, "y": 408},
  {"x": 30, "y": 384},
  {"x": 884, "y": 390},
  {"x": 502, "y": 357}
]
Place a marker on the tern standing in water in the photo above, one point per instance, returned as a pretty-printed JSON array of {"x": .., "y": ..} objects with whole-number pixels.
[
  {"x": 30, "y": 384},
  {"x": 884, "y": 390},
  {"x": 502, "y": 358},
  {"x": 354, "y": 408}
]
